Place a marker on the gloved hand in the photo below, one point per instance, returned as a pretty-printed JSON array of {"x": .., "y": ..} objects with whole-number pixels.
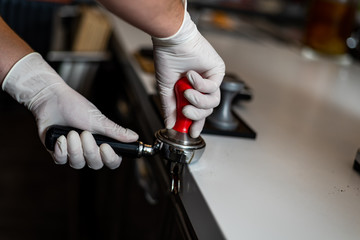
[
  {"x": 32, "y": 82},
  {"x": 188, "y": 53}
]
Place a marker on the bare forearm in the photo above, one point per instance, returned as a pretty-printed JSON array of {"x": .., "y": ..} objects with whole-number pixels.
[
  {"x": 159, "y": 18},
  {"x": 12, "y": 49}
]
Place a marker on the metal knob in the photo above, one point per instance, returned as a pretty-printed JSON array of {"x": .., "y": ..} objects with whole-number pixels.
[{"x": 222, "y": 117}]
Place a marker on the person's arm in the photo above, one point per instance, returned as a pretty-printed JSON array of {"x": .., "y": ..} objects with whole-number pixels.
[
  {"x": 12, "y": 48},
  {"x": 30, "y": 80},
  {"x": 158, "y": 18},
  {"x": 179, "y": 50}
]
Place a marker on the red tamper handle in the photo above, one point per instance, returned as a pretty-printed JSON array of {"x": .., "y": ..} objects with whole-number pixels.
[{"x": 182, "y": 123}]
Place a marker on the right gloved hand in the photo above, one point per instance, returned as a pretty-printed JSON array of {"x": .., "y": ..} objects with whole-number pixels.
[
  {"x": 32, "y": 82},
  {"x": 188, "y": 53}
]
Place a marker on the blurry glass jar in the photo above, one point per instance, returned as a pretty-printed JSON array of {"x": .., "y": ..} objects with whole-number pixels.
[{"x": 329, "y": 24}]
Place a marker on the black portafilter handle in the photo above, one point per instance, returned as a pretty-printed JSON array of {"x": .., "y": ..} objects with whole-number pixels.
[{"x": 134, "y": 149}]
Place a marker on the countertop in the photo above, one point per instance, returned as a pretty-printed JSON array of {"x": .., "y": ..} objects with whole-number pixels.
[{"x": 295, "y": 180}]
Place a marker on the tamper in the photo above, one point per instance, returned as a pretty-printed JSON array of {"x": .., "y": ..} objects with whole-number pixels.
[
  {"x": 222, "y": 117},
  {"x": 174, "y": 144}
]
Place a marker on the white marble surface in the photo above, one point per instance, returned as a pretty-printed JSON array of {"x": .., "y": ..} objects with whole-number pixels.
[{"x": 295, "y": 181}]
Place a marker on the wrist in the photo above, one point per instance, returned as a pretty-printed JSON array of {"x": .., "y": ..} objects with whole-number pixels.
[
  {"x": 186, "y": 32},
  {"x": 28, "y": 78}
]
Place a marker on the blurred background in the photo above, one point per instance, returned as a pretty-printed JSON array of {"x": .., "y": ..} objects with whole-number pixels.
[{"x": 284, "y": 20}]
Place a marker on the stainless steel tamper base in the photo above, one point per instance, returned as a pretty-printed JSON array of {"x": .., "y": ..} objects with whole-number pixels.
[
  {"x": 179, "y": 147},
  {"x": 222, "y": 117}
]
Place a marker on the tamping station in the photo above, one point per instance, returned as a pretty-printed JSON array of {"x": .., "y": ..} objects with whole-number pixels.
[{"x": 175, "y": 144}]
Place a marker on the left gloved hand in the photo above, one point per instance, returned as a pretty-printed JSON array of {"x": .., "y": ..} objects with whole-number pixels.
[
  {"x": 188, "y": 53},
  {"x": 32, "y": 82}
]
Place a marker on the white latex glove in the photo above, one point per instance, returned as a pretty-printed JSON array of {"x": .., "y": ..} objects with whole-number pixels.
[
  {"x": 188, "y": 53},
  {"x": 32, "y": 82}
]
